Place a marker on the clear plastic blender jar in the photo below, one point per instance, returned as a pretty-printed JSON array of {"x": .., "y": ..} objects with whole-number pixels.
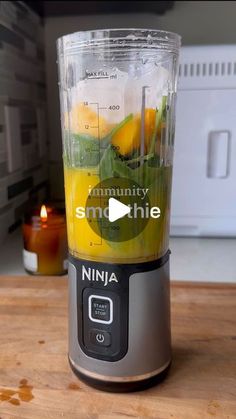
[{"x": 117, "y": 93}]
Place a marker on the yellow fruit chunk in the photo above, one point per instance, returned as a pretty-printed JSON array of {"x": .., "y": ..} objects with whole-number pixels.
[
  {"x": 128, "y": 138},
  {"x": 84, "y": 120},
  {"x": 150, "y": 120}
]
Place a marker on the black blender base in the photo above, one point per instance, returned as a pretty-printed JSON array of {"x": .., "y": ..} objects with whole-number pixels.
[{"x": 124, "y": 387}]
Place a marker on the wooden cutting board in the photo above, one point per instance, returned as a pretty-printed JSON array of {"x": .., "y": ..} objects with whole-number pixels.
[{"x": 36, "y": 381}]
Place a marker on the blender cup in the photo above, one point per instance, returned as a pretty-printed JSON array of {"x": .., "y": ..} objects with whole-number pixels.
[{"x": 117, "y": 94}]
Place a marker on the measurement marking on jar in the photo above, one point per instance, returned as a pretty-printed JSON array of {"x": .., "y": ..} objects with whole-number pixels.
[
  {"x": 99, "y": 151},
  {"x": 97, "y": 78},
  {"x": 101, "y": 148}
]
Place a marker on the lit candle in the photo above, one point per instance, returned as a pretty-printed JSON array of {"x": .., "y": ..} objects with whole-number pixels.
[{"x": 45, "y": 242}]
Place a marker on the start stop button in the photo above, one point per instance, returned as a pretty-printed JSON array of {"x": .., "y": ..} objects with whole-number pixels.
[{"x": 100, "y": 309}]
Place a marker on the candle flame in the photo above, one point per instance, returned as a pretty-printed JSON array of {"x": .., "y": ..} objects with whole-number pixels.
[{"x": 43, "y": 213}]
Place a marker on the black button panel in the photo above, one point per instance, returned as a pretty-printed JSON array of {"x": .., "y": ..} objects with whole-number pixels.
[
  {"x": 100, "y": 337},
  {"x": 102, "y": 323},
  {"x": 102, "y": 309}
]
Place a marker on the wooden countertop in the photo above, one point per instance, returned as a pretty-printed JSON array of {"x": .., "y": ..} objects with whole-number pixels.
[{"x": 36, "y": 381}]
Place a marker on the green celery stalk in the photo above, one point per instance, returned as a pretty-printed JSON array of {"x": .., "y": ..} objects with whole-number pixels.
[{"x": 158, "y": 119}]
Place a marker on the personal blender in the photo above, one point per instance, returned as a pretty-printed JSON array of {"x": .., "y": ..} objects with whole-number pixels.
[{"x": 117, "y": 95}]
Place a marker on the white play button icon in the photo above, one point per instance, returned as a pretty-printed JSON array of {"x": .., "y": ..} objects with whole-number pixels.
[{"x": 117, "y": 209}]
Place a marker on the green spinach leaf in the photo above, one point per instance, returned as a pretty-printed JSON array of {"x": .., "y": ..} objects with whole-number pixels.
[
  {"x": 112, "y": 166},
  {"x": 84, "y": 150}
]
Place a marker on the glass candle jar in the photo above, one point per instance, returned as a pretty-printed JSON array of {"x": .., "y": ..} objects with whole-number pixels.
[{"x": 45, "y": 242}]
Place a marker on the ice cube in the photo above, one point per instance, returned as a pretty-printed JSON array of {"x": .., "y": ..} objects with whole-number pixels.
[
  {"x": 156, "y": 83},
  {"x": 119, "y": 93},
  {"x": 106, "y": 93}
]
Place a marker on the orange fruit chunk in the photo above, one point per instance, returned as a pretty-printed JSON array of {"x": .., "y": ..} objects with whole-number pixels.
[
  {"x": 84, "y": 120},
  {"x": 128, "y": 138}
]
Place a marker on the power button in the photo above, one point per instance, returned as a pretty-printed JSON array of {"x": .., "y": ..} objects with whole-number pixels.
[{"x": 100, "y": 337}]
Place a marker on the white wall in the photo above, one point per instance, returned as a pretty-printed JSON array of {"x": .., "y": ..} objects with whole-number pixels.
[{"x": 197, "y": 22}]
